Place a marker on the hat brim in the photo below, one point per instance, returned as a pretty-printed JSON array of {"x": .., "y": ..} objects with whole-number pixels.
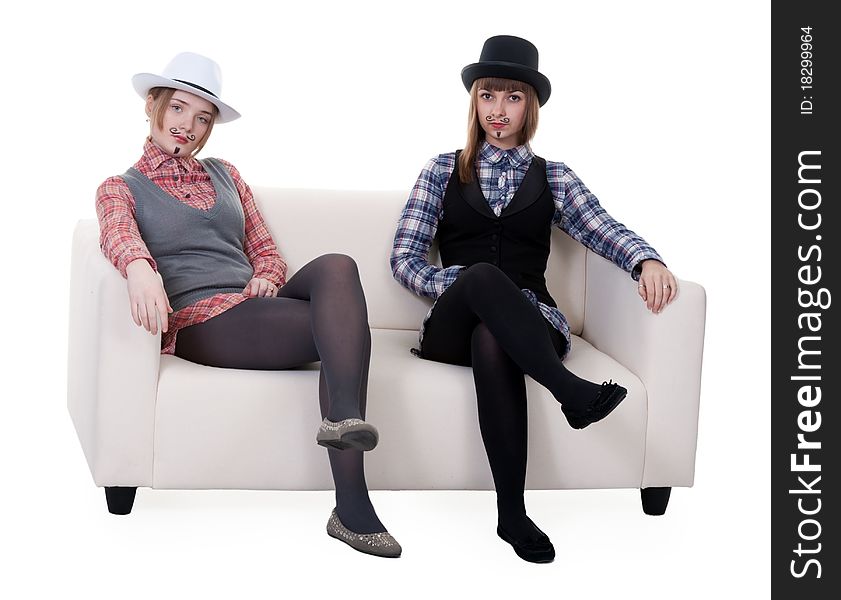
[
  {"x": 507, "y": 70},
  {"x": 143, "y": 82}
]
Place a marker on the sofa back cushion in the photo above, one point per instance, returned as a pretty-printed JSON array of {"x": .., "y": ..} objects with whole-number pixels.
[{"x": 306, "y": 223}]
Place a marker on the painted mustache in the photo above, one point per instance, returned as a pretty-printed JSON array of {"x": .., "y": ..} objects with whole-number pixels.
[
  {"x": 189, "y": 136},
  {"x": 490, "y": 118}
]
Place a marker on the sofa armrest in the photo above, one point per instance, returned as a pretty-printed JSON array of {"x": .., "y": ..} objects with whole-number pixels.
[
  {"x": 664, "y": 350},
  {"x": 112, "y": 372}
]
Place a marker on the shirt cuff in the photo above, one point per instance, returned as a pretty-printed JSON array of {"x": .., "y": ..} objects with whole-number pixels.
[
  {"x": 126, "y": 260},
  {"x": 444, "y": 278}
]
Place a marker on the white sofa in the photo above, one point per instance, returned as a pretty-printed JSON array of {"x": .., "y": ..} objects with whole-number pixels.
[{"x": 147, "y": 420}]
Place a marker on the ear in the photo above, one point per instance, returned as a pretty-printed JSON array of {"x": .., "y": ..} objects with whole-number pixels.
[{"x": 150, "y": 102}]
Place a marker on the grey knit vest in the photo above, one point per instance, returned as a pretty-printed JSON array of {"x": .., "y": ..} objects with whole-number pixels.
[{"x": 199, "y": 253}]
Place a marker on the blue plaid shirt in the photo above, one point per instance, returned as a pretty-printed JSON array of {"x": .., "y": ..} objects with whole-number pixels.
[{"x": 577, "y": 212}]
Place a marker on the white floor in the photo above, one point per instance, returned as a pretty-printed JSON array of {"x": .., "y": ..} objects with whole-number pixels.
[{"x": 255, "y": 544}]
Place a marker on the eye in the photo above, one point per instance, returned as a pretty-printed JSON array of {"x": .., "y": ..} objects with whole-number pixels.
[
  {"x": 176, "y": 108},
  {"x": 514, "y": 98},
  {"x": 204, "y": 120},
  {"x": 485, "y": 96}
]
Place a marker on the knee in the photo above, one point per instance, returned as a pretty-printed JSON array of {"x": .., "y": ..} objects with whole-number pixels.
[
  {"x": 340, "y": 266},
  {"x": 483, "y": 273},
  {"x": 483, "y": 276}
]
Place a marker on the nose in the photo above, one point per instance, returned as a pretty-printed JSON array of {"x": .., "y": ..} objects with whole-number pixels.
[{"x": 499, "y": 107}]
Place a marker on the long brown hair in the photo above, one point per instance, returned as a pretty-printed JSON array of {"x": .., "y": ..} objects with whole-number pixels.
[
  {"x": 475, "y": 133},
  {"x": 161, "y": 97}
]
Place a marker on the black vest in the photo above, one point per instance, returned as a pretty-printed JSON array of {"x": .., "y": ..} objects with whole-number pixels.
[{"x": 517, "y": 241}]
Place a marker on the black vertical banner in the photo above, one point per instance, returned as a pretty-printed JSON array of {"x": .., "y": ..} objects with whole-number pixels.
[{"x": 806, "y": 371}]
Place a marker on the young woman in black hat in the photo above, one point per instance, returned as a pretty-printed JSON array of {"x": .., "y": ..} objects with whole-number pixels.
[
  {"x": 492, "y": 309},
  {"x": 223, "y": 288}
]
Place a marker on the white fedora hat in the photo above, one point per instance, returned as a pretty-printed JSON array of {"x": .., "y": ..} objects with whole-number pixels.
[{"x": 192, "y": 73}]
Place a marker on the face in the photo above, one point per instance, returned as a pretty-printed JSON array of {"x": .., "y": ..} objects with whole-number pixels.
[
  {"x": 501, "y": 115},
  {"x": 186, "y": 121}
]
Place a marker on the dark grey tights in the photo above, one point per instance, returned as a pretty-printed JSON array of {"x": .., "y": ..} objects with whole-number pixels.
[{"x": 320, "y": 314}]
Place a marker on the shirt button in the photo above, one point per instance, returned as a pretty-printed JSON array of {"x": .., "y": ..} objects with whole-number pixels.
[
  {"x": 175, "y": 177},
  {"x": 187, "y": 196}
]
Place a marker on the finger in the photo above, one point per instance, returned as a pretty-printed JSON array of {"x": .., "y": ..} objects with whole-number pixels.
[
  {"x": 247, "y": 291},
  {"x": 168, "y": 305},
  {"x": 642, "y": 291},
  {"x": 164, "y": 317},
  {"x": 664, "y": 294},
  {"x": 144, "y": 319},
  {"x": 657, "y": 295},
  {"x": 152, "y": 311},
  {"x": 649, "y": 294},
  {"x": 672, "y": 290},
  {"x": 134, "y": 316}
]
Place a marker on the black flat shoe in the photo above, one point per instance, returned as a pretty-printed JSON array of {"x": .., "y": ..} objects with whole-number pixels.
[
  {"x": 540, "y": 550},
  {"x": 610, "y": 395}
]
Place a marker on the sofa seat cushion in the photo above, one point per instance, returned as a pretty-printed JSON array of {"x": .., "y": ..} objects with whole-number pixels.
[{"x": 230, "y": 428}]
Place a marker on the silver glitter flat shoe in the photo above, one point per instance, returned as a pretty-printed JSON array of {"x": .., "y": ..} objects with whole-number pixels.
[
  {"x": 378, "y": 544},
  {"x": 348, "y": 433}
]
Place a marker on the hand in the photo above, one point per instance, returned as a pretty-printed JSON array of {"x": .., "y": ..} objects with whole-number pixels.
[
  {"x": 147, "y": 297},
  {"x": 259, "y": 288},
  {"x": 657, "y": 285}
]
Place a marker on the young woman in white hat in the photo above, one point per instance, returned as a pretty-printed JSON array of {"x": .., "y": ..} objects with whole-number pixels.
[
  {"x": 492, "y": 206},
  {"x": 225, "y": 299}
]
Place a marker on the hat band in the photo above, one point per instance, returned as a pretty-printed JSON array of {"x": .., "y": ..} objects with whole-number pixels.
[{"x": 198, "y": 87}]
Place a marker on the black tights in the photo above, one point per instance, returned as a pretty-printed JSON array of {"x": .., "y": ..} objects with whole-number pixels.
[
  {"x": 483, "y": 320},
  {"x": 320, "y": 314}
]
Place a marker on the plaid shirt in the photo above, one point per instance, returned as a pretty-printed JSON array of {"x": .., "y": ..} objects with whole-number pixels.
[
  {"x": 577, "y": 212},
  {"x": 185, "y": 180}
]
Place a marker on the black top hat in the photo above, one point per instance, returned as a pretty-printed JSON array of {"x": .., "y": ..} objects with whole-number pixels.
[{"x": 512, "y": 58}]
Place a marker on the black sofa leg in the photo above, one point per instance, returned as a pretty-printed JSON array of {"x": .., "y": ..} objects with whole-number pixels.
[
  {"x": 655, "y": 500},
  {"x": 120, "y": 499}
]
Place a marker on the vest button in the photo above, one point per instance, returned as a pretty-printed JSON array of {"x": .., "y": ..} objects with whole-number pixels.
[
  {"x": 494, "y": 237},
  {"x": 493, "y": 248}
]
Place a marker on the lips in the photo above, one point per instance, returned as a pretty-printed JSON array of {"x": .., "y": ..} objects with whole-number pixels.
[
  {"x": 180, "y": 138},
  {"x": 498, "y": 125}
]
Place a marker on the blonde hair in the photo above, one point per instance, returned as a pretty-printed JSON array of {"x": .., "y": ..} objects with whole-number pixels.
[
  {"x": 160, "y": 100},
  {"x": 475, "y": 133}
]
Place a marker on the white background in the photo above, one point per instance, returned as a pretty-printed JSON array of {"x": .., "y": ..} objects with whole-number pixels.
[{"x": 662, "y": 108}]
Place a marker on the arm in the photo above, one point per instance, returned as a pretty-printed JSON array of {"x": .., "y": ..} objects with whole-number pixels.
[
  {"x": 578, "y": 212},
  {"x": 259, "y": 247},
  {"x": 120, "y": 241},
  {"x": 415, "y": 231},
  {"x": 119, "y": 236}
]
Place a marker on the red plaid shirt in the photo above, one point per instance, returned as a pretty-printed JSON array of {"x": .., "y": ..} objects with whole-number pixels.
[{"x": 185, "y": 180}]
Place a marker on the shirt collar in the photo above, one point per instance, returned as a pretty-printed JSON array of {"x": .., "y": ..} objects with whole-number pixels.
[
  {"x": 154, "y": 158},
  {"x": 517, "y": 156}
]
